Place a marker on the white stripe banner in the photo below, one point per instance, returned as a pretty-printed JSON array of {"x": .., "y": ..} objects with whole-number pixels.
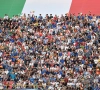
[{"x": 47, "y": 7}]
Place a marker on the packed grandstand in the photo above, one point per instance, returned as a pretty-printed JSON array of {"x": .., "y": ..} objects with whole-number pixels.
[{"x": 51, "y": 53}]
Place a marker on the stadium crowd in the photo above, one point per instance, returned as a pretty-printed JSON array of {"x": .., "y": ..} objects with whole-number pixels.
[{"x": 51, "y": 53}]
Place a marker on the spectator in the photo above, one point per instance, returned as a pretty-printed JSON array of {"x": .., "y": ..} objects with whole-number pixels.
[{"x": 51, "y": 53}]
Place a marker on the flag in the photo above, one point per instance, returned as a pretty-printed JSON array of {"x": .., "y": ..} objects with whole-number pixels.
[
  {"x": 58, "y": 7},
  {"x": 85, "y": 7}
]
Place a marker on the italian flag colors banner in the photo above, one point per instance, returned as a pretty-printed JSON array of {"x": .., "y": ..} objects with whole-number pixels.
[
  {"x": 11, "y": 7},
  {"x": 17, "y": 7},
  {"x": 85, "y": 7}
]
